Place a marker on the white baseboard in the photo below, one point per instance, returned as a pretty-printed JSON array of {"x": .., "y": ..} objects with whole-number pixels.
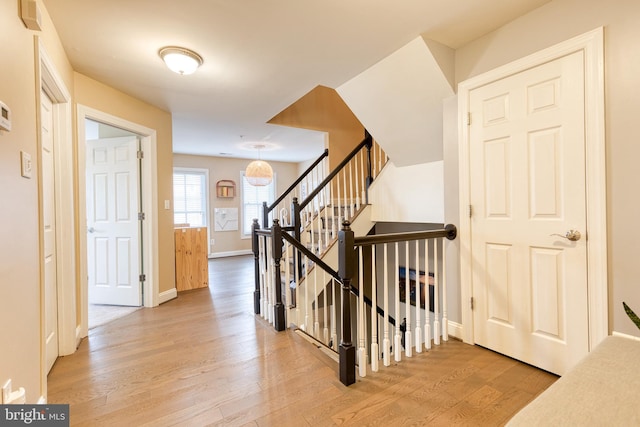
[
  {"x": 455, "y": 330},
  {"x": 231, "y": 253},
  {"x": 167, "y": 295},
  {"x": 620, "y": 334}
]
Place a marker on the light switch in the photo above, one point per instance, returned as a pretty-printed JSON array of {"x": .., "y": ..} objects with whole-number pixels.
[
  {"x": 167, "y": 204},
  {"x": 25, "y": 164}
]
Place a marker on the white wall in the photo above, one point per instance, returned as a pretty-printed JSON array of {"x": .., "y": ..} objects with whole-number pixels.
[{"x": 409, "y": 194}]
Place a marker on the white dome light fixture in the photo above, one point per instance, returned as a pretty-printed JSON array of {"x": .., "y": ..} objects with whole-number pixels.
[
  {"x": 180, "y": 60},
  {"x": 258, "y": 173}
]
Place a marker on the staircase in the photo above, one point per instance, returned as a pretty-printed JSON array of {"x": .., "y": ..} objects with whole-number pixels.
[{"x": 318, "y": 260}]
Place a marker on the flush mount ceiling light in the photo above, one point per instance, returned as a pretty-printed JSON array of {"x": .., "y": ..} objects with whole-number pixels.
[{"x": 180, "y": 60}]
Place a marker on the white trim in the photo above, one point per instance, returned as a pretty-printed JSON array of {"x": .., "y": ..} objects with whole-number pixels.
[
  {"x": 591, "y": 44},
  {"x": 455, "y": 330},
  {"x": 627, "y": 336},
  {"x": 231, "y": 253},
  {"x": 167, "y": 295},
  {"x": 41, "y": 400},
  {"x": 48, "y": 79},
  {"x": 149, "y": 204}
]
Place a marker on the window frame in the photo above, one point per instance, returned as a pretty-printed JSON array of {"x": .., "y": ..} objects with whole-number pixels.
[
  {"x": 205, "y": 195},
  {"x": 242, "y": 202}
]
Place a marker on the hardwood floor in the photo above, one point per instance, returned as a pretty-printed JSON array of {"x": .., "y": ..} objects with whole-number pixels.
[{"x": 205, "y": 359}]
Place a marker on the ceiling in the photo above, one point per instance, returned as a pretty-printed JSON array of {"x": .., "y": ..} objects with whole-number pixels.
[{"x": 260, "y": 56}]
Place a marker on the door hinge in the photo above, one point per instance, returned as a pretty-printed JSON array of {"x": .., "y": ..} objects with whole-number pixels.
[
  {"x": 471, "y": 301},
  {"x": 468, "y": 119},
  {"x": 470, "y": 211},
  {"x": 140, "y": 154},
  {"x": 141, "y": 216},
  {"x": 143, "y": 277}
]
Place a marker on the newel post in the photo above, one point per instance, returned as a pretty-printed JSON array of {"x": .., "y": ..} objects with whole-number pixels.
[
  {"x": 347, "y": 270},
  {"x": 297, "y": 226},
  {"x": 265, "y": 215},
  {"x": 369, "y": 178},
  {"x": 255, "y": 247},
  {"x": 278, "y": 308}
]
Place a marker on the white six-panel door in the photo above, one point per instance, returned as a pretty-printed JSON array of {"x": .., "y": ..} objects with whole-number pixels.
[
  {"x": 49, "y": 232},
  {"x": 527, "y": 190},
  {"x": 113, "y": 254}
]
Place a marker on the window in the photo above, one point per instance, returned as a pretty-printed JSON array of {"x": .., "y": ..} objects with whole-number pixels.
[
  {"x": 190, "y": 192},
  {"x": 252, "y": 198}
]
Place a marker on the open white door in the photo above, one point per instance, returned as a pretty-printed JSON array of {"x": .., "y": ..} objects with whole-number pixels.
[
  {"x": 113, "y": 227},
  {"x": 49, "y": 232},
  {"x": 528, "y": 192}
]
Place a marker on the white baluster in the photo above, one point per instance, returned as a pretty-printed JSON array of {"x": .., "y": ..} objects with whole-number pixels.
[
  {"x": 427, "y": 299},
  {"x": 364, "y": 177},
  {"x": 307, "y": 304},
  {"x": 296, "y": 279},
  {"x": 261, "y": 276},
  {"x": 339, "y": 224},
  {"x": 344, "y": 188},
  {"x": 334, "y": 330},
  {"x": 386, "y": 343},
  {"x": 407, "y": 334},
  {"x": 325, "y": 320},
  {"x": 418, "y": 331},
  {"x": 271, "y": 279},
  {"x": 397, "y": 343},
  {"x": 357, "y": 179},
  {"x": 287, "y": 278},
  {"x": 445, "y": 320},
  {"x": 316, "y": 322},
  {"x": 351, "y": 198},
  {"x": 374, "y": 313},
  {"x": 362, "y": 351},
  {"x": 326, "y": 215},
  {"x": 374, "y": 170},
  {"x": 436, "y": 296}
]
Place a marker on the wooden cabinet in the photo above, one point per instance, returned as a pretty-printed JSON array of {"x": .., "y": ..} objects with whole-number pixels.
[{"x": 192, "y": 261}]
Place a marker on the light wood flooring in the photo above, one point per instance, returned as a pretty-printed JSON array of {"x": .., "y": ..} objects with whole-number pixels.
[{"x": 206, "y": 359}]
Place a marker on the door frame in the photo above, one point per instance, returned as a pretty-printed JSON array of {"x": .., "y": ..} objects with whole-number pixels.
[
  {"x": 149, "y": 178},
  {"x": 48, "y": 79},
  {"x": 592, "y": 45}
]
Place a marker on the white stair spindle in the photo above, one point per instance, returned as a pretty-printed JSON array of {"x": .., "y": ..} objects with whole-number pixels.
[
  {"x": 307, "y": 303},
  {"x": 445, "y": 320},
  {"x": 296, "y": 256},
  {"x": 287, "y": 278},
  {"x": 427, "y": 299},
  {"x": 418, "y": 331},
  {"x": 357, "y": 179},
  {"x": 271, "y": 277},
  {"x": 316, "y": 322},
  {"x": 374, "y": 313},
  {"x": 325, "y": 319},
  {"x": 344, "y": 203},
  {"x": 351, "y": 198},
  {"x": 327, "y": 205},
  {"x": 386, "y": 343},
  {"x": 334, "y": 328},
  {"x": 374, "y": 164},
  {"x": 397, "y": 343},
  {"x": 261, "y": 276},
  {"x": 362, "y": 351},
  {"x": 407, "y": 334},
  {"x": 436, "y": 296},
  {"x": 363, "y": 177},
  {"x": 337, "y": 205}
]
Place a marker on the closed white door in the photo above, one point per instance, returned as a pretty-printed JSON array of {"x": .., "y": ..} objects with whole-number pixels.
[
  {"x": 527, "y": 189},
  {"x": 113, "y": 232},
  {"x": 49, "y": 232}
]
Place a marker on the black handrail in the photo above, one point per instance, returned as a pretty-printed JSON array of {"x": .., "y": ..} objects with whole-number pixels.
[
  {"x": 449, "y": 231},
  {"x": 298, "y": 181},
  {"x": 366, "y": 142}
]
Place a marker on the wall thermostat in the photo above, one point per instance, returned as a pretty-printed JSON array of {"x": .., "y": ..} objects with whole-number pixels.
[{"x": 5, "y": 117}]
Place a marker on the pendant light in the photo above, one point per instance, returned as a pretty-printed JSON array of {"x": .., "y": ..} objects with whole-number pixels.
[{"x": 259, "y": 173}]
